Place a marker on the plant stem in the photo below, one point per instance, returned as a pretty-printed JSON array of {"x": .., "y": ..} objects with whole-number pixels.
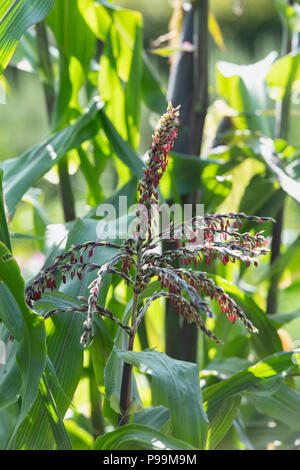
[
  {"x": 66, "y": 189},
  {"x": 127, "y": 368},
  {"x": 281, "y": 131},
  {"x": 96, "y": 408}
]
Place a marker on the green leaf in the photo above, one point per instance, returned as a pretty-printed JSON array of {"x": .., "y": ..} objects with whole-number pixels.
[
  {"x": 59, "y": 432},
  {"x": 154, "y": 417},
  {"x": 137, "y": 437},
  {"x": 288, "y": 184},
  {"x": 97, "y": 17},
  {"x": 4, "y": 233},
  {"x": 21, "y": 172},
  {"x": 123, "y": 150},
  {"x": 79, "y": 437},
  {"x": 280, "y": 319},
  {"x": 71, "y": 32},
  {"x": 284, "y": 76},
  {"x": 259, "y": 374},
  {"x": 113, "y": 381},
  {"x": 175, "y": 385},
  {"x": 15, "y": 18},
  {"x": 215, "y": 31},
  {"x": 283, "y": 405},
  {"x": 90, "y": 176},
  {"x": 30, "y": 334},
  {"x": 243, "y": 86},
  {"x": 153, "y": 93},
  {"x": 10, "y": 378},
  {"x": 133, "y": 85},
  {"x": 289, "y": 14},
  {"x": 222, "y": 421},
  {"x": 63, "y": 346}
]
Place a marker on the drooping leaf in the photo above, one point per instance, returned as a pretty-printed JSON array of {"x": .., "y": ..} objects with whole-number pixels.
[
  {"x": 243, "y": 86},
  {"x": 259, "y": 374},
  {"x": 175, "y": 385},
  {"x": 138, "y": 437},
  {"x": 153, "y": 416},
  {"x": 288, "y": 184},
  {"x": 283, "y": 405},
  {"x": 21, "y": 172}
]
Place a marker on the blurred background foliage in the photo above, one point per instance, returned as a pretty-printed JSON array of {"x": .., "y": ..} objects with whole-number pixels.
[{"x": 250, "y": 30}]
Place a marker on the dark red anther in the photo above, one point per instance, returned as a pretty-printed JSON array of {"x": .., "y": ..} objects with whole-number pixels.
[
  {"x": 79, "y": 275},
  {"x": 64, "y": 279}
]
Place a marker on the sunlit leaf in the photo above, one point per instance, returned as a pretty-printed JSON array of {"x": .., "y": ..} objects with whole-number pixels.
[{"x": 15, "y": 18}]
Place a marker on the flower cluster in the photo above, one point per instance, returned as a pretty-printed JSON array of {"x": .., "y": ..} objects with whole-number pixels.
[
  {"x": 163, "y": 141},
  {"x": 202, "y": 239}
]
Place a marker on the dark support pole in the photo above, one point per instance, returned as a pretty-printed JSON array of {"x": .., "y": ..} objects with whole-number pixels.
[{"x": 188, "y": 86}]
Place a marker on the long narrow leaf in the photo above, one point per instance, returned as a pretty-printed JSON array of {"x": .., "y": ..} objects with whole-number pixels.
[
  {"x": 21, "y": 172},
  {"x": 15, "y": 18}
]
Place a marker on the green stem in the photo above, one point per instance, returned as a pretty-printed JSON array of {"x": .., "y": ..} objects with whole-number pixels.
[
  {"x": 66, "y": 189},
  {"x": 96, "y": 408},
  {"x": 127, "y": 368}
]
